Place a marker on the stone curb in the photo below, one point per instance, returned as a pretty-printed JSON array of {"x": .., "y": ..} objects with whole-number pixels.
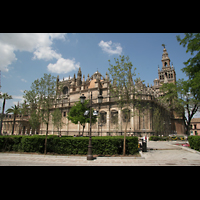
[
  {"x": 188, "y": 149},
  {"x": 72, "y": 157}
]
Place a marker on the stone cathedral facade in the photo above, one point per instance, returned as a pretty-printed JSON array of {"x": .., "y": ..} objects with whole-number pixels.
[{"x": 111, "y": 120}]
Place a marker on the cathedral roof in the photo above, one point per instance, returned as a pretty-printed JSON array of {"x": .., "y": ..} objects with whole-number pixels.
[{"x": 92, "y": 83}]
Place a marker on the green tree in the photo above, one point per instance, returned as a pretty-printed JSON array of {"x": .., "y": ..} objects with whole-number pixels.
[
  {"x": 15, "y": 110},
  {"x": 32, "y": 98},
  {"x": 123, "y": 90},
  {"x": 192, "y": 65},
  {"x": 170, "y": 95},
  {"x": 76, "y": 114},
  {"x": 190, "y": 89},
  {"x": 57, "y": 119},
  {"x": 41, "y": 97},
  {"x": 34, "y": 120},
  {"x": 180, "y": 100},
  {"x": 188, "y": 100},
  {"x": 4, "y": 97},
  {"x": 158, "y": 120}
]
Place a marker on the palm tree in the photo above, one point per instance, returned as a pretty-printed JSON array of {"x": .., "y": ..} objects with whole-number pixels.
[
  {"x": 15, "y": 110},
  {"x": 4, "y": 97}
]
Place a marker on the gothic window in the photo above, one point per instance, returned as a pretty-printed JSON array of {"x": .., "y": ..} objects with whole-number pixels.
[
  {"x": 126, "y": 115},
  {"x": 65, "y": 90},
  {"x": 143, "y": 121},
  {"x": 103, "y": 117},
  {"x": 165, "y": 64},
  {"x": 171, "y": 75},
  {"x": 114, "y": 117}
]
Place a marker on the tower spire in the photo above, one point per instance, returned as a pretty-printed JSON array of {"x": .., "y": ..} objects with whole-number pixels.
[{"x": 165, "y": 59}]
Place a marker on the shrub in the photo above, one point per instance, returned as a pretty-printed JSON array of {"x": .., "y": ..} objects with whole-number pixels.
[
  {"x": 10, "y": 143},
  {"x": 158, "y": 138},
  {"x": 69, "y": 145},
  {"x": 194, "y": 142},
  {"x": 33, "y": 143}
]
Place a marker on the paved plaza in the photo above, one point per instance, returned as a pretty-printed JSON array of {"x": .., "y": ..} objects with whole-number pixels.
[{"x": 160, "y": 153}]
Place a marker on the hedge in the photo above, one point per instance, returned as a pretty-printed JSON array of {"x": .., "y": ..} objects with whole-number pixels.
[
  {"x": 165, "y": 138},
  {"x": 108, "y": 145},
  {"x": 194, "y": 142}
]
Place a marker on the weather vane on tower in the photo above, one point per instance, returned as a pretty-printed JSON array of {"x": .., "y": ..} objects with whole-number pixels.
[{"x": 163, "y": 45}]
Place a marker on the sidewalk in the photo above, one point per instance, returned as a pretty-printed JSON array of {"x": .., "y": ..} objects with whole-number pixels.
[
  {"x": 167, "y": 154},
  {"x": 161, "y": 145}
]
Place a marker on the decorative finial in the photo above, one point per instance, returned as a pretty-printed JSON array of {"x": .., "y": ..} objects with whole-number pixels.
[{"x": 163, "y": 45}]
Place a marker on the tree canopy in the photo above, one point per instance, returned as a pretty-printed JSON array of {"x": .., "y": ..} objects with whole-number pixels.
[{"x": 76, "y": 114}]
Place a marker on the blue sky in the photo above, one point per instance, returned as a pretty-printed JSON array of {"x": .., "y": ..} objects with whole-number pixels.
[{"x": 24, "y": 57}]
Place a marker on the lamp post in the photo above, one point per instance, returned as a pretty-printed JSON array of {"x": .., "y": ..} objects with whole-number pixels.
[
  {"x": 95, "y": 113},
  {"x": 100, "y": 98}
]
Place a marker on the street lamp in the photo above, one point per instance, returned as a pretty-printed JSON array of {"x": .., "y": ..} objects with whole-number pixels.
[
  {"x": 100, "y": 98},
  {"x": 82, "y": 98},
  {"x": 95, "y": 113}
]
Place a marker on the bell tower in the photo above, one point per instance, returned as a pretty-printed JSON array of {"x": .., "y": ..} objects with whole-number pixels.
[
  {"x": 167, "y": 74},
  {"x": 165, "y": 59}
]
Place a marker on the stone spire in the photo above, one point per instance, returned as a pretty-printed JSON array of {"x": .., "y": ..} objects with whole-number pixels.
[
  {"x": 165, "y": 59},
  {"x": 79, "y": 77}
]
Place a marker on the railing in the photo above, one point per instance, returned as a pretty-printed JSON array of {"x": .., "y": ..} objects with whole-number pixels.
[{"x": 95, "y": 133}]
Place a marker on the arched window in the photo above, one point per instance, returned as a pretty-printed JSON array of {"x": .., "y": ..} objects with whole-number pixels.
[
  {"x": 114, "y": 117},
  {"x": 103, "y": 116},
  {"x": 126, "y": 115},
  {"x": 142, "y": 121},
  {"x": 165, "y": 64},
  {"x": 65, "y": 90}
]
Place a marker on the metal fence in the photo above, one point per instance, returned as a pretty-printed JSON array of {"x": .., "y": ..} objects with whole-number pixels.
[{"x": 96, "y": 133}]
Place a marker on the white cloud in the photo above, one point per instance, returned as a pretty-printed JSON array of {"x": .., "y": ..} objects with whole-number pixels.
[
  {"x": 23, "y": 80},
  {"x": 6, "y": 56},
  {"x": 110, "y": 48},
  {"x": 46, "y": 53},
  {"x": 19, "y": 98},
  {"x": 63, "y": 66},
  {"x": 38, "y": 43}
]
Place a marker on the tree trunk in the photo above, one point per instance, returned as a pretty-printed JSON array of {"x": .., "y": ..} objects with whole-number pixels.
[
  {"x": 83, "y": 129},
  {"x": 45, "y": 144},
  {"x": 188, "y": 127},
  {"x": 124, "y": 148},
  {"x": 2, "y": 115},
  {"x": 13, "y": 128}
]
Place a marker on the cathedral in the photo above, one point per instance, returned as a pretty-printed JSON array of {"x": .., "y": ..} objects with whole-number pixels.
[{"x": 111, "y": 120}]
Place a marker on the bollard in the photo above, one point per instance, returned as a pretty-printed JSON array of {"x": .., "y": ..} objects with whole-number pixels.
[{"x": 144, "y": 146}]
